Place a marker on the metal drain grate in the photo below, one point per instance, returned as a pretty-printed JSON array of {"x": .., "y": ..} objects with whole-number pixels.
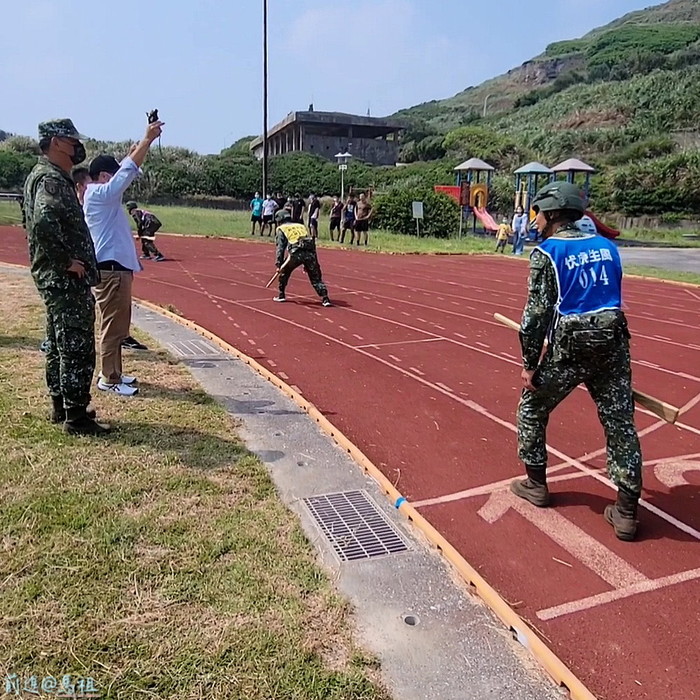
[{"x": 354, "y": 526}]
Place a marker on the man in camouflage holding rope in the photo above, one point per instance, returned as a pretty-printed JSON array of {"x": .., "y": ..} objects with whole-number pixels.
[
  {"x": 64, "y": 269},
  {"x": 574, "y": 302}
]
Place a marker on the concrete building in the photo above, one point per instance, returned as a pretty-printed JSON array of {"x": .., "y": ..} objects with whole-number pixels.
[{"x": 369, "y": 139}]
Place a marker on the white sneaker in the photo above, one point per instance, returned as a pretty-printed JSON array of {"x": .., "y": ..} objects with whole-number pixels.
[
  {"x": 121, "y": 389},
  {"x": 126, "y": 379}
]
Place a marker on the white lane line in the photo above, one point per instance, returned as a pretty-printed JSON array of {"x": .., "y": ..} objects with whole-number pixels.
[
  {"x": 359, "y": 337},
  {"x": 495, "y": 486},
  {"x": 443, "y": 386},
  {"x": 417, "y": 371},
  {"x": 618, "y": 594},
  {"x": 394, "y": 358},
  {"x": 483, "y": 345},
  {"x": 459, "y": 335},
  {"x": 401, "y": 342}
]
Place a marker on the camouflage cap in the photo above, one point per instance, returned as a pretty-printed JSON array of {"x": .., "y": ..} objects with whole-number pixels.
[{"x": 63, "y": 128}]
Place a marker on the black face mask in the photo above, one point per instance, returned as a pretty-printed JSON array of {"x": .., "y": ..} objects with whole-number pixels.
[{"x": 79, "y": 154}]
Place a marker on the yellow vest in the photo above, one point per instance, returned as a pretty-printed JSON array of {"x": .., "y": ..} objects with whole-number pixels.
[{"x": 294, "y": 232}]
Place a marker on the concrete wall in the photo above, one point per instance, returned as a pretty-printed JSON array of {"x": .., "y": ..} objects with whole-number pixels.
[{"x": 375, "y": 151}]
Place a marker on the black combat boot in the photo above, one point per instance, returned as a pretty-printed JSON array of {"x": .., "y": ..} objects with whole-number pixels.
[
  {"x": 623, "y": 515},
  {"x": 534, "y": 488},
  {"x": 58, "y": 412},
  {"x": 78, "y": 422}
]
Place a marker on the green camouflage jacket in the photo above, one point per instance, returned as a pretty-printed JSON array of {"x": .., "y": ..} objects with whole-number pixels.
[
  {"x": 542, "y": 298},
  {"x": 56, "y": 228}
]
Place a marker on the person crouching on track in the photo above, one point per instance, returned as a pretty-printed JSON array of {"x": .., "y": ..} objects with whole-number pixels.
[
  {"x": 574, "y": 301},
  {"x": 147, "y": 225},
  {"x": 294, "y": 238}
]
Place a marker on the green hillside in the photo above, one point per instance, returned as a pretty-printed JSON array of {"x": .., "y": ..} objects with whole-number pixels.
[
  {"x": 666, "y": 36},
  {"x": 624, "y": 97}
]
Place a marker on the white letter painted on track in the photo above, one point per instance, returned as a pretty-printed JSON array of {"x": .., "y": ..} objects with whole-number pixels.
[{"x": 579, "y": 544}]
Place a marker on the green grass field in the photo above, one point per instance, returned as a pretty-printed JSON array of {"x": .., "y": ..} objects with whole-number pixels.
[
  {"x": 158, "y": 560},
  {"x": 236, "y": 224}
]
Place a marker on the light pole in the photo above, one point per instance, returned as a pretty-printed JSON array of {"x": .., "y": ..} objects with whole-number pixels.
[
  {"x": 342, "y": 159},
  {"x": 265, "y": 116}
]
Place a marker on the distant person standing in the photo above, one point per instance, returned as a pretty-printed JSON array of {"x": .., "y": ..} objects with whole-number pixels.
[
  {"x": 256, "y": 213},
  {"x": 64, "y": 268},
  {"x": 116, "y": 256},
  {"x": 519, "y": 227},
  {"x": 502, "y": 235},
  {"x": 363, "y": 214},
  {"x": 336, "y": 216},
  {"x": 269, "y": 208},
  {"x": 298, "y": 207},
  {"x": 281, "y": 200},
  {"x": 349, "y": 213},
  {"x": 313, "y": 214}
]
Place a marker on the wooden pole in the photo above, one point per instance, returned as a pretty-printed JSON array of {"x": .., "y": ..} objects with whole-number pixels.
[{"x": 659, "y": 408}]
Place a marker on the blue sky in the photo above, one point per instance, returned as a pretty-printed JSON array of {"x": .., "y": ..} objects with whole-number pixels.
[{"x": 199, "y": 61}]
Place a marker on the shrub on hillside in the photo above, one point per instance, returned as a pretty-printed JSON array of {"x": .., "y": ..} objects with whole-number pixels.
[
  {"x": 496, "y": 148},
  {"x": 669, "y": 184},
  {"x": 393, "y": 211}
]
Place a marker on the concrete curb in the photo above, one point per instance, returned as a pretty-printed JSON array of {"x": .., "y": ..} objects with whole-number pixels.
[{"x": 551, "y": 663}]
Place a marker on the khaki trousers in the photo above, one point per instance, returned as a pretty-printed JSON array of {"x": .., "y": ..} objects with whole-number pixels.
[{"x": 113, "y": 298}]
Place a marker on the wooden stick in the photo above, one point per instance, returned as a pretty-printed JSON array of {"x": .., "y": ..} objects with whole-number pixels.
[
  {"x": 659, "y": 408},
  {"x": 277, "y": 274}
]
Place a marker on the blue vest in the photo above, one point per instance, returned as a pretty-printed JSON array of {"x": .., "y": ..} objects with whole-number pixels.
[{"x": 588, "y": 271}]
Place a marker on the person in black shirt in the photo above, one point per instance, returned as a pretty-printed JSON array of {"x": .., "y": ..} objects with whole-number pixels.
[
  {"x": 298, "y": 207},
  {"x": 314, "y": 214}
]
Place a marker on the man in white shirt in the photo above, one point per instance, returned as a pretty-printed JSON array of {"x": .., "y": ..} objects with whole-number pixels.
[
  {"x": 269, "y": 208},
  {"x": 116, "y": 255}
]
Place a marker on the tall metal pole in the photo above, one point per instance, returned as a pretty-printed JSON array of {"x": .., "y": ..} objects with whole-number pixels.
[
  {"x": 342, "y": 184},
  {"x": 265, "y": 117}
]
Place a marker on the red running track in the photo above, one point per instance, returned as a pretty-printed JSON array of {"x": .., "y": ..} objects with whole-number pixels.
[{"x": 410, "y": 365}]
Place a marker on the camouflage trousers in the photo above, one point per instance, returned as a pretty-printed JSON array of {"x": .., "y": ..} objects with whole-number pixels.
[
  {"x": 309, "y": 260},
  {"x": 70, "y": 336},
  {"x": 148, "y": 248},
  {"x": 609, "y": 382}
]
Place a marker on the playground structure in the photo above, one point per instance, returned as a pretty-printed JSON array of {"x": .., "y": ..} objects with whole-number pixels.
[
  {"x": 473, "y": 187},
  {"x": 572, "y": 168},
  {"x": 474, "y": 182}
]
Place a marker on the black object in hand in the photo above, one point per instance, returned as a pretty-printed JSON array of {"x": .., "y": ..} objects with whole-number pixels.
[{"x": 153, "y": 116}]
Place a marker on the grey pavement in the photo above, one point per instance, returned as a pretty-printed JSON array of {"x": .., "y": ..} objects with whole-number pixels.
[
  {"x": 679, "y": 259},
  {"x": 458, "y": 650}
]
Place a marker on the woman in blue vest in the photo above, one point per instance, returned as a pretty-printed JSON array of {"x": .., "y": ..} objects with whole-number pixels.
[{"x": 574, "y": 302}]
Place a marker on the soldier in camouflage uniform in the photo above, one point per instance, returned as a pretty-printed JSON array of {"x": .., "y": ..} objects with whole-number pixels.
[
  {"x": 64, "y": 269},
  {"x": 302, "y": 251},
  {"x": 574, "y": 302}
]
